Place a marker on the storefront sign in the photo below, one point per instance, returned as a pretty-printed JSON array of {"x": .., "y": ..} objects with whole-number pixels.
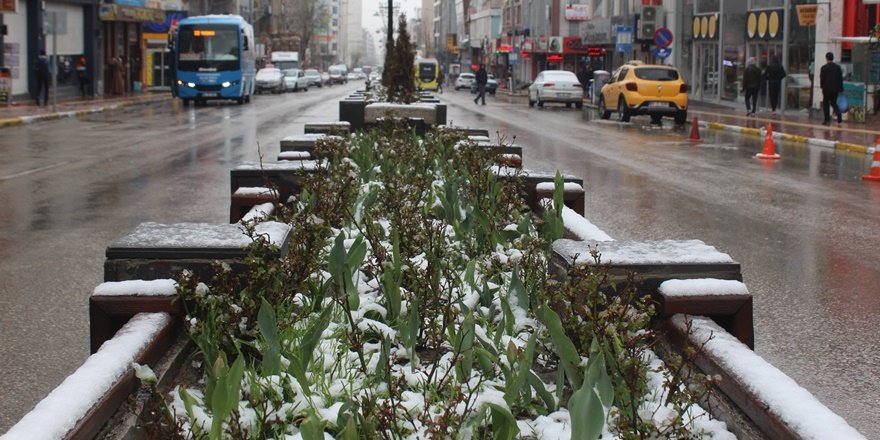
[
  {"x": 451, "y": 42},
  {"x": 555, "y": 45},
  {"x": 554, "y": 58},
  {"x": 706, "y": 27},
  {"x": 574, "y": 45},
  {"x": 130, "y": 13},
  {"x": 764, "y": 24},
  {"x": 8, "y": 6},
  {"x": 577, "y": 12},
  {"x": 807, "y": 14},
  {"x": 597, "y": 31},
  {"x": 504, "y": 48}
]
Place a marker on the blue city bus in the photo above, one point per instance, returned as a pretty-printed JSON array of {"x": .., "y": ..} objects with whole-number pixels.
[{"x": 214, "y": 59}]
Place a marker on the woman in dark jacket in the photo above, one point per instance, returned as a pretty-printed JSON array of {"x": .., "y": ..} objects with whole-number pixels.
[{"x": 774, "y": 74}]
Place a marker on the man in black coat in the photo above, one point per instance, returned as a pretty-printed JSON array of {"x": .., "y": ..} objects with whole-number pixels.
[
  {"x": 481, "y": 78},
  {"x": 774, "y": 74},
  {"x": 831, "y": 82}
]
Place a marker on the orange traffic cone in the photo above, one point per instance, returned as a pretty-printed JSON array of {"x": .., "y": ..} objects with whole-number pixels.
[
  {"x": 769, "y": 147},
  {"x": 695, "y": 130},
  {"x": 874, "y": 174}
]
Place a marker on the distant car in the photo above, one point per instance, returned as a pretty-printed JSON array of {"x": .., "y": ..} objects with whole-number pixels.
[
  {"x": 464, "y": 80},
  {"x": 375, "y": 76},
  {"x": 556, "y": 86},
  {"x": 338, "y": 74},
  {"x": 491, "y": 85},
  {"x": 314, "y": 77},
  {"x": 355, "y": 76},
  {"x": 269, "y": 79},
  {"x": 325, "y": 78},
  {"x": 644, "y": 89},
  {"x": 295, "y": 80}
]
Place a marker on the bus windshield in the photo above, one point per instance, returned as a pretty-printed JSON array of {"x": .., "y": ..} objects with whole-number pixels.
[
  {"x": 208, "y": 48},
  {"x": 427, "y": 71}
]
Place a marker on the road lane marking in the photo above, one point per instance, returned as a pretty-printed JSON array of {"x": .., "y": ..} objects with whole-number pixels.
[{"x": 32, "y": 171}]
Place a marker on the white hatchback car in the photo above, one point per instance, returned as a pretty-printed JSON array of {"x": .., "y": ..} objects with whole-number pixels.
[
  {"x": 464, "y": 81},
  {"x": 295, "y": 80},
  {"x": 556, "y": 86}
]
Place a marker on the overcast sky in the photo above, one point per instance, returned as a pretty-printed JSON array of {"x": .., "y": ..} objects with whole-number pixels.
[{"x": 371, "y": 7}]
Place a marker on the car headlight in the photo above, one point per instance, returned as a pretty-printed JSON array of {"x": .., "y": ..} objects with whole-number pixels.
[
  {"x": 226, "y": 84},
  {"x": 191, "y": 84}
]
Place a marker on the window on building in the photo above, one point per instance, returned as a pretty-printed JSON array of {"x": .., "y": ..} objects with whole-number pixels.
[
  {"x": 708, "y": 6},
  {"x": 758, "y": 4}
]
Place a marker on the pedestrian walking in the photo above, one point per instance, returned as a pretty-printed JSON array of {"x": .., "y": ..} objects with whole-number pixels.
[
  {"x": 751, "y": 84},
  {"x": 481, "y": 78},
  {"x": 774, "y": 75},
  {"x": 831, "y": 83},
  {"x": 82, "y": 74},
  {"x": 42, "y": 74}
]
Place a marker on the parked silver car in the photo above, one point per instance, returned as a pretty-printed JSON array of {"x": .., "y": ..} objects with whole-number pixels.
[
  {"x": 269, "y": 79},
  {"x": 295, "y": 80},
  {"x": 556, "y": 86},
  {"x": 464, "y": 81}
]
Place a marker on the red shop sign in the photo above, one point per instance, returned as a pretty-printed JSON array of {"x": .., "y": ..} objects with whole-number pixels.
[{"x": 573, "y": 45}]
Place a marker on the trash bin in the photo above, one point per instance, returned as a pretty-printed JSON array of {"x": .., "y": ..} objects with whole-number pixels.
[
  {"x": 599, "y": 77},
  {"x": 5, "y": 84}
]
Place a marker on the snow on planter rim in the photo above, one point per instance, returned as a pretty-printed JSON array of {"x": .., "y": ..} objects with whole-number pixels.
[
  {"x": 796, "y": 406},
  {"x": 55, "y": 415},
  {"x": 703, "y": 286},
  {"x": 208, "y": 235},
  {"x": 164, "y": 287},
  {"x": 642, "y": 252}
]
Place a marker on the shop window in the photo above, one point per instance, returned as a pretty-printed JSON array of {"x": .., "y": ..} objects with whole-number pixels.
[
  {"x": 759, "y": 4},
  {"x": 708, "y": 6},
  {"x": 66, "y": 68}
]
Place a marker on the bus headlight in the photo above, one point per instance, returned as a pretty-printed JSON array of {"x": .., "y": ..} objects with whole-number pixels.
[
  {"x": 226, "y": 84},
  {"x": 191, "y": 84}
]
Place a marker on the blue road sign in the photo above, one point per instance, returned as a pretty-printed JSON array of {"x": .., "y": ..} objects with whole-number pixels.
[
  {"x": 663, "y": 37},
  {"x": 662, "y": 52},
  {"x": 624, "y": 39}
]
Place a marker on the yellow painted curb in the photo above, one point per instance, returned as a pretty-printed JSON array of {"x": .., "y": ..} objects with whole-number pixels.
[
  {"x": 716, "y": 126},
  {"x": 751, "y": 131},
  {"x": 10, "y": 122},
  {"x": 851, "y": 147},
  {"x": 795, "y": 138}
]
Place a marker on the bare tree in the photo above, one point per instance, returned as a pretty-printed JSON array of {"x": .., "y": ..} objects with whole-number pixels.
[{"x": 305, "y": 16}]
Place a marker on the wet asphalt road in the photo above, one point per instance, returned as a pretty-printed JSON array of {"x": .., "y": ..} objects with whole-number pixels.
[{"x": 804, "y": 228}]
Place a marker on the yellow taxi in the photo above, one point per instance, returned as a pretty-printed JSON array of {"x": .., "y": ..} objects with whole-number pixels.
[{"x": 644, "y": 89}]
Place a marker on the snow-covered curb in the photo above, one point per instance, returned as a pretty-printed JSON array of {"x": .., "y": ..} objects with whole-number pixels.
[
  {"x": 779, "y": 395},
  {"x": 72, "y": 401}
]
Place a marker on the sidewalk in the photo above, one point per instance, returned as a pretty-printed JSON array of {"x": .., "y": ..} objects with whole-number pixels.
[
  {"x": 21, "y": 111},
  {"x": 791, "y": 126}
]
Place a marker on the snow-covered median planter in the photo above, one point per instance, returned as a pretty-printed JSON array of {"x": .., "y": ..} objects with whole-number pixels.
[{"x": 415, "y": 303}]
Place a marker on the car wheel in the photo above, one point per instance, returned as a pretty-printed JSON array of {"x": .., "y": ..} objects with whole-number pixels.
[
  {"x": 531, "y": 103},
  {"x": 306, "y": 89},
  {"x": 538, "y": 99},
  {"x": 681, "y": 117},
  {"x": 656, "y": 119},
  {"x": 622, "y": 110},
  {"x": 604, "y": 113},
  {"x": 492, "y": 93},
  {"x": 579, "y": 105},
  {"x": 567, "y": 105}
]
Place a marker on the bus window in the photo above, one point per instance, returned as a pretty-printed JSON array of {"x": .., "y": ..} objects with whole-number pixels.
[{"x": 212, "y": 47}]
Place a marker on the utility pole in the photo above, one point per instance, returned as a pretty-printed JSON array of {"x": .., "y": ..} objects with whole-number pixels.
[{"x": 389, "y": 39}]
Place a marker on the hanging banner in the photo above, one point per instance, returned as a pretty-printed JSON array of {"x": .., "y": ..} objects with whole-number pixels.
[
  {"x": 577, "y": 12},
  {"x": 807, "y": 14},
  {"x": 8, "y": 6}
]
